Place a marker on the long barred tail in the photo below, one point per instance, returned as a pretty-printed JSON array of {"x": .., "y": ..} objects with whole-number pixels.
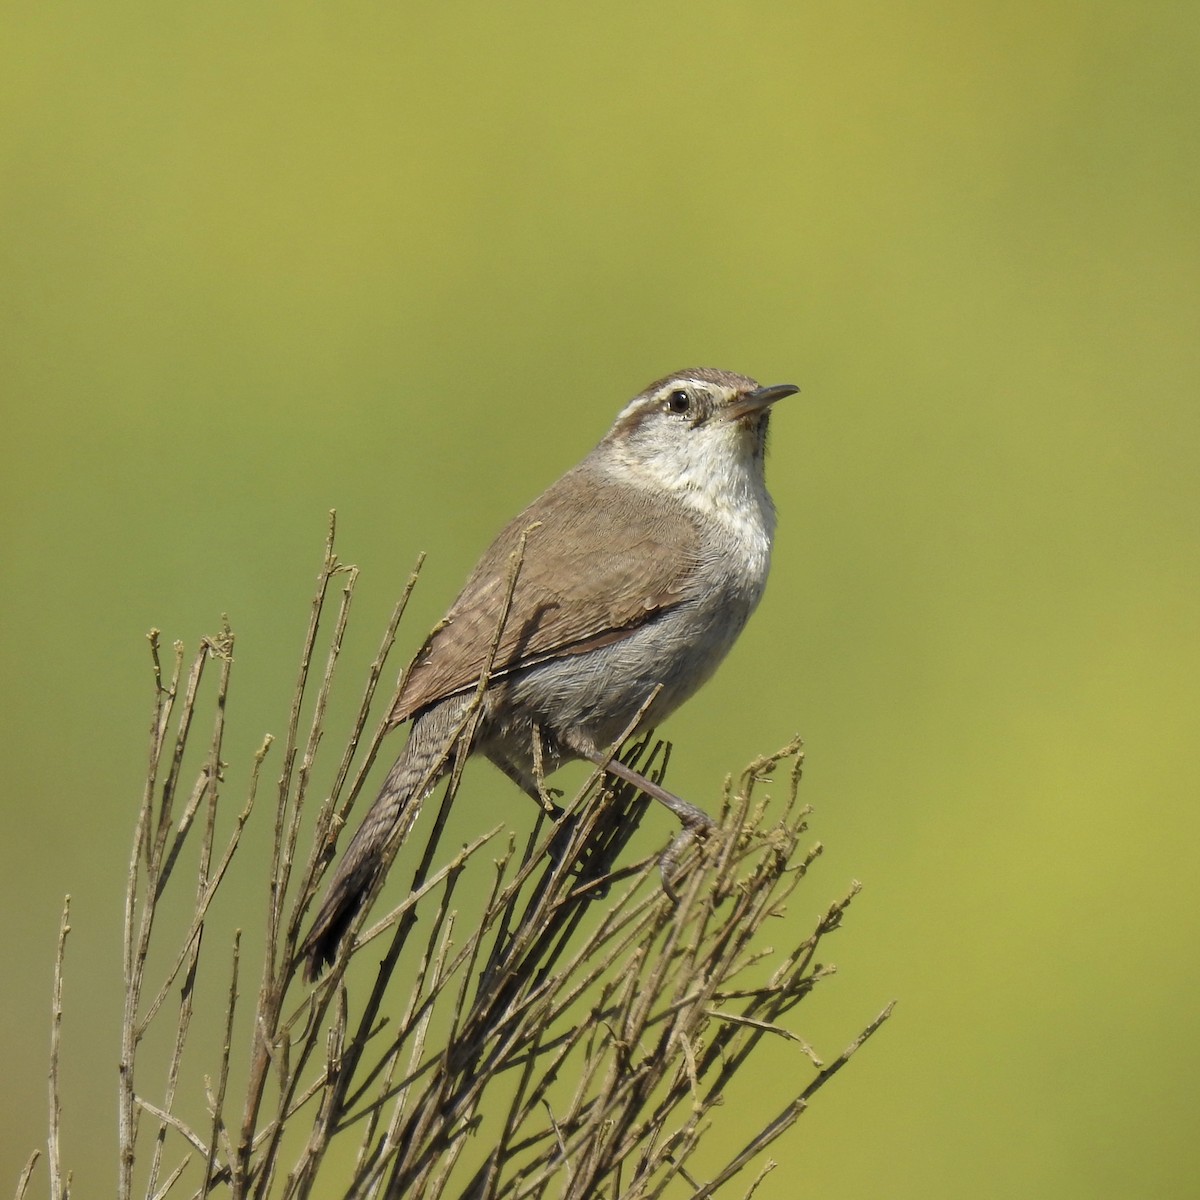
[{"x": 421, "y": 764}]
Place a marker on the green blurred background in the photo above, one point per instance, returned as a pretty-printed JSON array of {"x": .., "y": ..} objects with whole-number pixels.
[{"x": 408, "y": 261}]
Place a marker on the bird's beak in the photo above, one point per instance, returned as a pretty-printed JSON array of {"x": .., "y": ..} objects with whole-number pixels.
[{"x": 757, "y": 401}]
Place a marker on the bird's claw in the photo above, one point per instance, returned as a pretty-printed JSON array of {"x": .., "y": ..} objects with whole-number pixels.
[
  {"x": 668, "y": 861},
  {"x": 547, "y": 798}
]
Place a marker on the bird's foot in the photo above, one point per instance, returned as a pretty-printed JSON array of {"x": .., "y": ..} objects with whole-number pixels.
[
  {"x": 696, "y": 826},
  {"x": 548, "y": 798}
]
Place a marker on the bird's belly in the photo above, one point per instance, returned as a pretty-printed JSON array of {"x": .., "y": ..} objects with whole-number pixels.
[{"x": 593, "y": 697}]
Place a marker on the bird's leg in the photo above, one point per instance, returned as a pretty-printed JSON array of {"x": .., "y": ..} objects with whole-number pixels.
[
  {"x": 696, "y": 822},
  {"x": 532, "y": 783},
  {"x": 546, "y": 797},
  {"x": 694, "y": 819}
]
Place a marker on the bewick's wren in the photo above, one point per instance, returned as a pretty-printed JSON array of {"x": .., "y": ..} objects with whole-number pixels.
[{"x": 639, "y": 569}]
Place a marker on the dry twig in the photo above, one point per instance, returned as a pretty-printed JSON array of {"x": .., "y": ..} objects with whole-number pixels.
[{"x": 557, "y": 999}]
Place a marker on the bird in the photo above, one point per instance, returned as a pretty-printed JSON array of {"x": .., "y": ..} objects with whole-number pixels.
[{"x": 608, "y": 601}]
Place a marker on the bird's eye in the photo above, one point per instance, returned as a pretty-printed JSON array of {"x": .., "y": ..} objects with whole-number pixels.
[{"x": 679, "y": 401}]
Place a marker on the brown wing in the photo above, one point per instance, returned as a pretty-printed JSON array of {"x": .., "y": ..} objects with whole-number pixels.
[{"x": 568, "y": 597}]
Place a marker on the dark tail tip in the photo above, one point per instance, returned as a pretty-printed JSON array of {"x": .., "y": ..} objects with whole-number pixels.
[{"x": 332, "y": 923}]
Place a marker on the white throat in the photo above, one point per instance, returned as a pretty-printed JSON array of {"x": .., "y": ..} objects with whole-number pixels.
[{"x": 724, "y": 483}]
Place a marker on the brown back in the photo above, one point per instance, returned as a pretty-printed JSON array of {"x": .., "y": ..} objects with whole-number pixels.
[{"x": 567, "y": 599}]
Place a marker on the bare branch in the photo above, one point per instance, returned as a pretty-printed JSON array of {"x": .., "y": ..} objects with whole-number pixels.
[
  {"x": 53, "y": 1148},
  {"x": 26, "y": 1174},
  {"x": 549, "y": 993}
]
